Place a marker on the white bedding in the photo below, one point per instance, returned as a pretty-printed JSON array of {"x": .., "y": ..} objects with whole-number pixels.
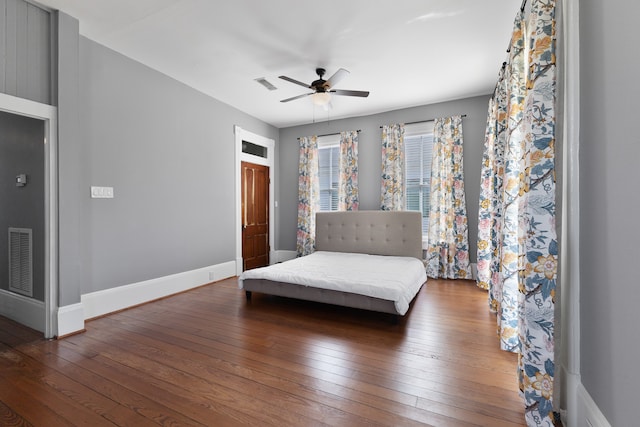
[{"x": 391, "y": 278}]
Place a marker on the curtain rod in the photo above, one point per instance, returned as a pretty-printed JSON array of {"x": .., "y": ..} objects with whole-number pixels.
[
  {"x": 424, "y": 121},
  {"x": 331, "y": 134}
]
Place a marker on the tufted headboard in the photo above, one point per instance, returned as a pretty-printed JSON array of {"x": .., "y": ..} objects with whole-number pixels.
[{"x": 396, "y": 233}]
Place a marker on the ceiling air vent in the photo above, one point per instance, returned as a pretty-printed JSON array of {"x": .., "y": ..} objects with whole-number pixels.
[{"x": 265, "y": 83}]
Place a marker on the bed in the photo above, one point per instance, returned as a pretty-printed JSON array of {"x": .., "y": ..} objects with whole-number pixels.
[{"x": 369, "y": 260}]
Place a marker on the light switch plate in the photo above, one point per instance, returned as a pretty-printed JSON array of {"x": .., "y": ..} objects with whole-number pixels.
[{"x": 101, "y": 192}]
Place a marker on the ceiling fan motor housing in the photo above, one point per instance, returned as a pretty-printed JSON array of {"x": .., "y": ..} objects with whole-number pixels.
[{"x": 320, "y": 84}]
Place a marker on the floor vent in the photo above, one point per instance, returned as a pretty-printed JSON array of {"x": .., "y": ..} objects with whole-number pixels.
[{"x": 20, "y": 261}]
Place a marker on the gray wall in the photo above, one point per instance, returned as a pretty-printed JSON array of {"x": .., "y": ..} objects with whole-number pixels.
[
  {"x": 168, "y": 151},
  {"x": 22, "y": 151},
  {"x": 369, "y": 160},
  {"x": 610, "y": 207},
  {"x": 25, "y": 51}
]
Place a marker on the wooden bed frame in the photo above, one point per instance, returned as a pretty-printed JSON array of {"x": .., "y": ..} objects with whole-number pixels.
[{"x": 397, "y": 233}]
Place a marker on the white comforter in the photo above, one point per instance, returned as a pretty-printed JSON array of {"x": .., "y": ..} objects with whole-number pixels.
[{"x": 391, "y": 278}]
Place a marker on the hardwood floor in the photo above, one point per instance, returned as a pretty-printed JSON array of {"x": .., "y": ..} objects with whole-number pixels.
[{"x": 206, "y": 357}]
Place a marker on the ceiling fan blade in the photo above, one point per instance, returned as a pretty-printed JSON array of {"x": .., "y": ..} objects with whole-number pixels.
[
  {"x": 361, "y": 93},
  {"x": 296, "y": 97},
  {"x": 289, "y": 79},
  {"x": 337, "y": 76}
]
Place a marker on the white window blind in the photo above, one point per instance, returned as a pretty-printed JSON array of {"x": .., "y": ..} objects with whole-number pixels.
[
  {"x": 328, "y": 164},
  {"x": 418, "y": 146}
]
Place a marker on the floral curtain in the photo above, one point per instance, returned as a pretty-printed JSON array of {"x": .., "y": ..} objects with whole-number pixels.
[
  {"x": 448, "y": 248},
  {"x": 308, "y": 195},
  {"x": 517, "y": 242},
  {"x": 392, "y": 191},
  {"x": 539, "y": 273},
  {"x": 509, "y": 158},
  {"x": 489, "y": 211},
  {"x": 348, "y": 170}
]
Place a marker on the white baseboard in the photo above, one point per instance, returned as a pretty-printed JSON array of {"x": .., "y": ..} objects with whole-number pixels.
[
  {"x": 103, "y": 302},
  {"x": 474, "y": 271},
  {"x": 70, "y": 319},
  {"x": 581, "y": 410},
  {"x": 284, "y": 256},
  {"x": 27, "y": 311},
  {"x": 588, "y": 412}
]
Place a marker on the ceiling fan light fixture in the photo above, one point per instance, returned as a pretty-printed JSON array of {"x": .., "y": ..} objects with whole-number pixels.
[{"x": 321, "y": 98}]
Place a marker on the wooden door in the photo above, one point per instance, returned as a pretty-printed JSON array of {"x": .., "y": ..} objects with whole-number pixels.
[{"x": 255, "y": 215}]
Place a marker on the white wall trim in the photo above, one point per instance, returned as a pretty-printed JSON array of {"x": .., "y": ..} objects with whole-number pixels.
[
  {"x": 474, "y": 270},
  {"x": 570, "y": 253},
  {"x": 27, "y": 311},
  {"x": 590, "y": 414},
  {"x": 70, "y": 319},
  {"x": 49, "y": 115},
  {"x": 240, "y": 135},
  {"x": 281, "y": 256},
  {"x": 107, "y": 301}
]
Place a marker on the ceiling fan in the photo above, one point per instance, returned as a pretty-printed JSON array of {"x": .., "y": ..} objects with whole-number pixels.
[{"x": 322, "y": 89}]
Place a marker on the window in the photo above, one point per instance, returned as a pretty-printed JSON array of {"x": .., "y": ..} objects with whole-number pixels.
[
  {"x": 418, "y": 145},
  {"x": 254, "y": 149},
  {"x": 328, "y": 164}
]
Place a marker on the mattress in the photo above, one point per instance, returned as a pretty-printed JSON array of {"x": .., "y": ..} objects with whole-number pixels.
[{"x": 391, "y": 278}]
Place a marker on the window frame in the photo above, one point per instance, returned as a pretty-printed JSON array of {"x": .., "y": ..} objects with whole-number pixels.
[
  {"x": 329, "y": 142},
  {"x": 413, "y": 130}
]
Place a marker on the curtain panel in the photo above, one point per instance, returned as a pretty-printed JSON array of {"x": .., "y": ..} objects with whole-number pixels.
[
  {"x": 517, "y": 241},
  {"x": 308, "y": 195},
  {"x": 489, "y": 251},
  {"x": 448, "y": 247},
  {"x": 348, "y": 172},
  {"x": 392, "y": 191},
  {"x": 539, "y": 239},
  {"x": 508, "y": 156}
]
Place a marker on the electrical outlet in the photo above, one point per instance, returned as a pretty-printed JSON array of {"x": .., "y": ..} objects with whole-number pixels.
[{"x": 101, "y": 192}]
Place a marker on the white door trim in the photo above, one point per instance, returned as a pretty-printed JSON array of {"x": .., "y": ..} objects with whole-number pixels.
[
  {"x": 244, "y": 135},
  {"x": 569, "y": 363},
  {"x": 49, "y": 115}
]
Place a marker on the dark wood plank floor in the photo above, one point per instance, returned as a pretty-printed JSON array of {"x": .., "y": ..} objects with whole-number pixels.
[{"x": 206, "y": 357}]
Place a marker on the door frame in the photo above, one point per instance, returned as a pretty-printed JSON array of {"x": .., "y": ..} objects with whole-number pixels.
[
  {"x": 245, "y": 135},
  {"x": 49, "y": 115}
]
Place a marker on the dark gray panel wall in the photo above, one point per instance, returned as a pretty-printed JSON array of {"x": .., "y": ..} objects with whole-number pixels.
[
  {"x": 370, "y": 160},
  {"x": 22, "y": 152},
  {"x": 25, "y": 51},
  {"x": 168, "y": 151},
  {"x": 609, "y": 207}
]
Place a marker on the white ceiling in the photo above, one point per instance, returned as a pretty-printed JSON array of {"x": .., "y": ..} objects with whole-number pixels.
[{"x": 405, "y": 52}]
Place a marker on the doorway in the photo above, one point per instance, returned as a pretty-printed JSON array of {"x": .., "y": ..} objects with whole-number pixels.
[
  {"x": 259, "y": 151},
  {"x": 28, "y": 279},
  {"x": 255, "y": 215}
]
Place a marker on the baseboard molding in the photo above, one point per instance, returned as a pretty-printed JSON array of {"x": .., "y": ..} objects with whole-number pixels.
[
  {"x": 107, "y": 301},
  {"x": 285, "y": 255},
  {"x": 70, "y": 320},
  {"x": 27, "y": 311},
  {"x": 474, "y": 271},
  {"x": 588, "y": 412}
]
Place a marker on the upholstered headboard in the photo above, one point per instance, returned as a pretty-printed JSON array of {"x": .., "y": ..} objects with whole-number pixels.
[{"x": 396, "y": 233}]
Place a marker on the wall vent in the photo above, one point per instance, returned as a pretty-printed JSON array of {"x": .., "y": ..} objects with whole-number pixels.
[{"x": 20, "y": 261}]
